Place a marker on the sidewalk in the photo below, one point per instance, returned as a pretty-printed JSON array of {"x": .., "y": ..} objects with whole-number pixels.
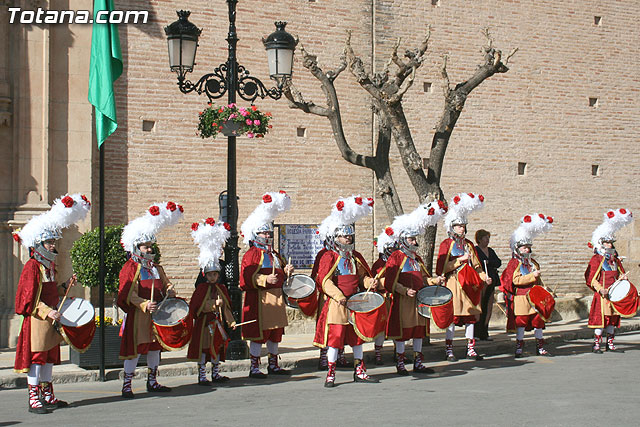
[{"x": 297, "y": 352}]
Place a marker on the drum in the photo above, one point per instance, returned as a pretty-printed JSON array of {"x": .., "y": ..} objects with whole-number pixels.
[
  {"x": 367, "y": 314},
  {"x": 172, "y": 324},
  {"x": 300, "y": 292},
  {"x": 624, "y": 298},
  {"x": 471, "y": 283},
  {"x": 432, "y": 296},
  {"x": 542, "y": 301},
  {"x": 77, "y": 324}
]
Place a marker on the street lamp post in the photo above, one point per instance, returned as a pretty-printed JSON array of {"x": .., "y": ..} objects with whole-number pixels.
[{"x": 232, "y": 79}]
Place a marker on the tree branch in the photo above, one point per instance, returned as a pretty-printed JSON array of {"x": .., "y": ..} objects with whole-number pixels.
[{"x": 331, "y": 111}]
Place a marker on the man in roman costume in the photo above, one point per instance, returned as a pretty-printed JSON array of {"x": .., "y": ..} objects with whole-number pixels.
[
  {"x": 604, "y": 269},
  {"x": 342, "y": 272},
  {"x": 405, "y": 275},
  {"x": 37, "y": 299},
  {"x": 143, "y": 285},
  {"x": 210, "y": 303},
  {"x": 518, "y": 279},
  {"x": 262, "y": 274},
  {"x": 465, "y": 278}
]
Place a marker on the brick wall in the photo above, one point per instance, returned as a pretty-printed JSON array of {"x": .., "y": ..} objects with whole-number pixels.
[{"x": 536, "y": 113}]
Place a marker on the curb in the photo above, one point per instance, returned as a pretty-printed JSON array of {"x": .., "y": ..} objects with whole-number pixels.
[{"x": 308, "y": 359}]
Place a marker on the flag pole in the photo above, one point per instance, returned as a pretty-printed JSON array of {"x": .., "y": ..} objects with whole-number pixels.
[{"x": 101, "y": 265}]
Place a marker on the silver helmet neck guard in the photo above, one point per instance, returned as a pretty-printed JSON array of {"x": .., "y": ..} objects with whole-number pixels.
[{"x": 44, "y": 256}]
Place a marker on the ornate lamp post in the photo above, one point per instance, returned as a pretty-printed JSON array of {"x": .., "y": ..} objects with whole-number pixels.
[{"x": 232, "y": 79}]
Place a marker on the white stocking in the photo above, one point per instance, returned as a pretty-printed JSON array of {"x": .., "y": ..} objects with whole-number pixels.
[
  {"x": 379, "y": 341},
  {"x": 332, "y": 354},
  {"x": 203, "y": 358},
  {"x": 609, "y": 329},
  {"x": 520, "y": 333},
  {"x": 33, "y": 376},
  {"x": 46, "y": 372},
  {"x": 468, "y": 330},
  {"x": 357, "y": 352},
  {"x": 130, "y": 365},
  {"x": 417, "y": 345},
  {"x": 598, "y": 331},
  {"x": 451, "y": 331},
  {"x": 537, "y": 332},
  {"x": 399, "y": 347},
  {"x": 153, "y": 359},
  {"x": 272, "y": 347},
  {"x": 255, "y": 348}
]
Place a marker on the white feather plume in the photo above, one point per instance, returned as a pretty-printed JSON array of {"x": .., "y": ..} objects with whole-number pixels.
[
  {"x": 210, "y": 239},
  {"x": 613, "y": 220},
  {"x": 530, "y": 227},
  {"x": 272, "y": 205},
  {"x": 461, "y": 206},
  {"x": 345, "y": 211},
  {"x": 55, "y": 220},
  {"x": 146, "y": 227}
]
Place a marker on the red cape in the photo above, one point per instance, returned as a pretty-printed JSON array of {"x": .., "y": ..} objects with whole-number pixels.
[
  {"x": 506, "y": 286},
  {"x": 594, "y": 269},
  {"x": 129, "y": 272},
  {"x": 26, "y": 296},
  {"x": 203, "y": 319},
  {"x": 391, "y": 275}
]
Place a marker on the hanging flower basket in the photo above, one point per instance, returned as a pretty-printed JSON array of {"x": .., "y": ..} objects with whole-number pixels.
[{"x": 232, "y": 120}]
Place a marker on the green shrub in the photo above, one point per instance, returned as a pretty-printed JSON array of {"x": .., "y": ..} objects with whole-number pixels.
[{"x": 85, "y": 257}]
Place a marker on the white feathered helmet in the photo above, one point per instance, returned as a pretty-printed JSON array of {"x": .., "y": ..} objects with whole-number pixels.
[
  {"x": 144, "y": 229},
  {"x": 461, "y": 205},
  {"x": 64, "y": 212},
  {"x": 210, "y": 237},
  {"x": 344, "y": 214},
  {"x": 415, "y": 223},
  {"x": 261, "y": 219},
  {"x": 614, "y": 220},
  {"x": 530, "y": 226}
]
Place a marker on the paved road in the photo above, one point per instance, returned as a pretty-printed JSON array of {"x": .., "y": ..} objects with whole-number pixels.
[{"x": 497, "y": 391}]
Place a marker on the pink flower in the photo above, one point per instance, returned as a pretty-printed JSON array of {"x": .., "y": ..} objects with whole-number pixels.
[
  {"x": 232, "y": 105},
  {"x": 256, "y": 122},
  {"x": 249, "y": 135},
  {"x": 233, "y": 115},
  {"x": 248, "y": 122}
]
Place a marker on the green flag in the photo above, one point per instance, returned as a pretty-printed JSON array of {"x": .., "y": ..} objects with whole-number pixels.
[{"x": 105, "y": 68}]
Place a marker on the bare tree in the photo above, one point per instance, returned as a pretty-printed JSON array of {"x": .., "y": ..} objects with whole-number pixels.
[{"x": 386, "y": 90}]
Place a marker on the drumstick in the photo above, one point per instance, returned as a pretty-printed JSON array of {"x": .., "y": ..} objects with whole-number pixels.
[
  {"x": 163, "y": 299},
  {"x": 244, "y": 323},
  {"x": 152, "y": 288},
  {"x": 55, "y": 322},
  {"x": 501, "y": 309},
  {"x": 65, "y": 296},
  {"x": 377, "y": 276}
]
